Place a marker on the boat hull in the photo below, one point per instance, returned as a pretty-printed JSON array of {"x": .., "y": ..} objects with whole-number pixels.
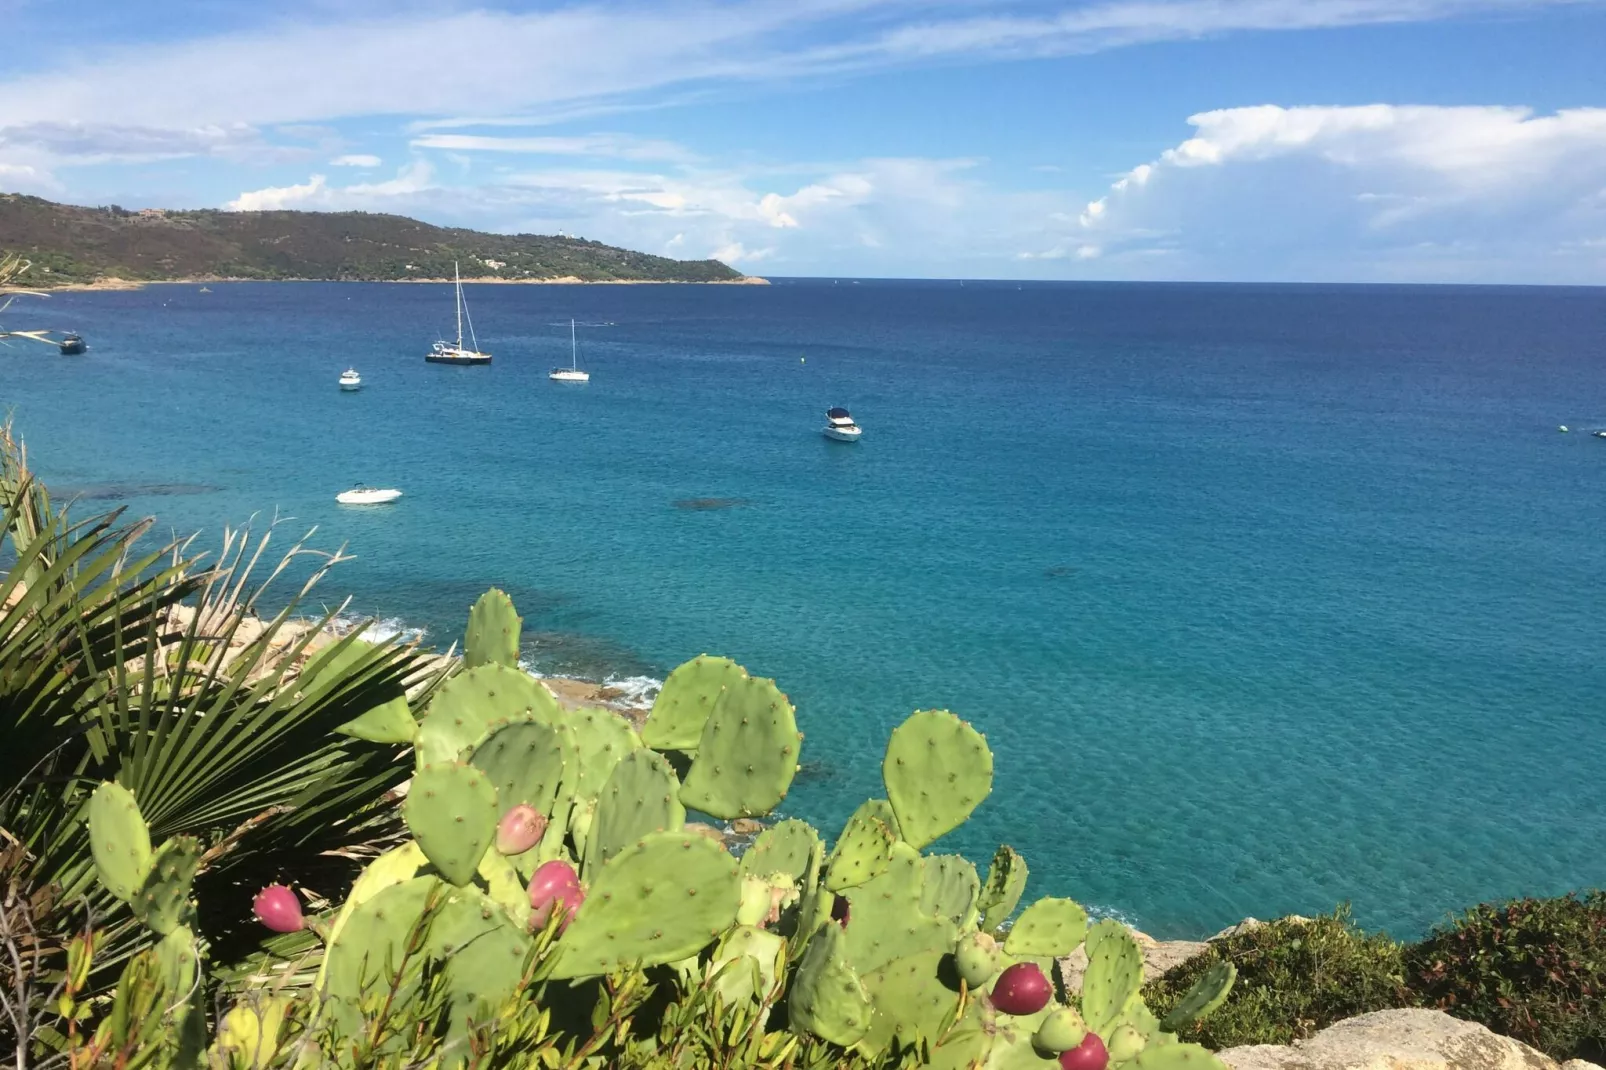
[
  {"x": 843, "y": 434},
  {"x": 350, "y": 386},
  {"x": 72, "y": 349},
  {"x": 439, "y": 358},
  {"x": 569, "y": 377},
  {"x": 367, "y": 497}
]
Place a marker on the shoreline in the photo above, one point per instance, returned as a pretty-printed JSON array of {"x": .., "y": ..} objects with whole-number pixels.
[{"x": 113, "y": 283}]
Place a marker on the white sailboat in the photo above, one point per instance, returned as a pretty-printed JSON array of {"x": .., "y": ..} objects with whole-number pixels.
[
  {"x": 444, "y": 352},
  {"x": 571, "y": 374}
]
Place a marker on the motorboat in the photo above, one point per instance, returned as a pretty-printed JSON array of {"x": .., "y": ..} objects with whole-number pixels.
[
  {"x": 571, "y": 374},
  {"x": 839, "y": 425},
  {"x": 72, "y": 345},
  {"x": 361, "y": 495},
  {"x": 1600, "y": 434},
  {"x": 444, "y": 352},
  {"x": 350, "y": 380}
]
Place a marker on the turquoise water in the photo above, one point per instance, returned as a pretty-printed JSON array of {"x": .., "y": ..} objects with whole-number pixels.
[{"x": 1265, "y": 597}]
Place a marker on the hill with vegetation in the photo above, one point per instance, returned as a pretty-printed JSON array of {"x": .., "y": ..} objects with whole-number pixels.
[{"x": 71, "y": 244}]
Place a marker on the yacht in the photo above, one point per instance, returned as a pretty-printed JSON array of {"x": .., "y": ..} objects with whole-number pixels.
[
  {"x": 444, "y": 352},
  {"x": 361, "y": 495},
  {"x": 571, "y": 374},
  {"x": 350, "y": 380},
  {"x": 840, "y": 426},
  {"x": 72, "y": 345}
]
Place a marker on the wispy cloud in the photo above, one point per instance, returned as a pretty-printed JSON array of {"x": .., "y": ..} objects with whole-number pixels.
[
  {"x": 356, "y": 159},
  {"x": 617, "y": 146}
]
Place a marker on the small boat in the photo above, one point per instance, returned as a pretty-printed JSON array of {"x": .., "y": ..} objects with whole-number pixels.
[
  {"x": 361, "y": 495},
  {"x": 444, "y": 352},
  {"x": 571, "y": 374},
  {"x": 206, "y": 289},
  {"x": 840, "y": 426},
  {"x": 350, "y": 380},
  {"x": 1600, "y": 434},
  {"x": 72, "y": 345}
]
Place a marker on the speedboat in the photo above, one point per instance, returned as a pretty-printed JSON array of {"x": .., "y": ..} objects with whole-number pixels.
[
  {"x": 1600, "y": 434},
  {"x": 571, "y": 374},
  {"x": 350, "y": 380},
  {"x": 72, "y": 345},
  {"x": 361, "y": 495},
  {"x": 840, "y": 426}
]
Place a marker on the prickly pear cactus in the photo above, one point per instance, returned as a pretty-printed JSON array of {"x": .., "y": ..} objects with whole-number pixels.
[
  {"x": 686, "y": 700},
  {"x": 1113, "y": 979},
  {"x": 789, "y": 847},
  {"x": 949, "y": 888},
  {"x": 466, "y": 706},
  {"x": 886, "y": 921},
  {"x": 1052, "y": 927},
  {"x": 659, "y": 901},
  {"x": 1175, "y": 1057},
  {"x": 493, "y": 632},
  {"x": 864, "y": 849},
  {"x": 451, "y": 811},
  {"x": 526, "y": 762},
  {"x": 641, "y": 796},
  {"x": 602, "y": 740},
  {"x": 747, "y": 754},
  {"x": 1006, "y": 881},
  {"x": 826, "y": 997},
  {"x": 119, "y": 839},
  {"x": 163, "y": 902},
  {"x": 1207, "y": 993},
  {"x": 937, "y": 770},
  {"x": 911, "y": 998},
  {"x": 745, "y": 963}
]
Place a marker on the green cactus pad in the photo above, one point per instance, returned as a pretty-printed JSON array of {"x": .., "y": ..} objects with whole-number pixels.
[
  {"x": 483, "y": 950},
  {"x": 864, "y": 848},
  {"x": 389, "y": 722},
  {"x": 371, "y": 946},
  {"x": 949, "y": 888},
  {"x": 466, "y": 706},
  {"x": 1207, "y": 993},
  {"x": 686, "y": 700},
  {"x": 451, "y": 812},
  {"x": 1113, "y": 979},
  {"x": 602, "y": 740},
  {"x": 937, "y": 770},
  {"x": 505, "y": 887},
  {"x": 886, "y": 921},
  {"x": 1139, "y": 1017},
  {"x": 641, "y": 796},
  {"x": 667, "y": 897},
  {"x": 526, "y": 762},
  {"x": 789, "y": 847},
  {"x": 752, "y": 955},
  {"x": 910, "y": 1000},
  {"x": 747, "y": 754},
  {"x": 120, "y": 840},
  {"x": 1048, "y": 927},
  {"x": 826, "y": 997},
  {"x": 163, "y": 901},
  {"x": 1006, "y": 881},
  {"x": 1176, "y": 1057},
  {"x": 493, "y": 632}
]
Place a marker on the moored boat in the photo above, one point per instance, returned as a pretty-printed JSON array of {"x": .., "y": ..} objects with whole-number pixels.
[
  {"x": 361, "y": 495},
  {"x": 444, "y": 352},
  {"x": 839, "y": 425},
  {"x": 350, "y": 380},
  {"x": 571, "y": 374},
  {"x": 71, "y": 345}
]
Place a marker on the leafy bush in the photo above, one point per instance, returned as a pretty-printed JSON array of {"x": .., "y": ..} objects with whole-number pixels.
[
  {"x": 1295, "y": 976},
  {"x": 1533, "y": 969}
]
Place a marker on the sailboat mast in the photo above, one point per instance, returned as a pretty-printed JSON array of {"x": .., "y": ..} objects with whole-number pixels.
[
  {"x": 457, "y": 280},
  {"x": 574, "y": 353}
]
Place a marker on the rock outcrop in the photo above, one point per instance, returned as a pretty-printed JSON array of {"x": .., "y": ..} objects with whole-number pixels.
[{"x": 1398, "y": 1040}]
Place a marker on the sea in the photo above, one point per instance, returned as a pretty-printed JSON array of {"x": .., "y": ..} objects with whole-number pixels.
[{"x": 1267, "y": 598}]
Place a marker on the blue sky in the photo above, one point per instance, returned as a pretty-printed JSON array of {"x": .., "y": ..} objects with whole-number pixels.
[{"x": 1300, "y": 140}]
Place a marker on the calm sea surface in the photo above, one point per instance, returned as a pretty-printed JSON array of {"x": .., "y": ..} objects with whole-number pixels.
[{"x": 1265, "y": 597}]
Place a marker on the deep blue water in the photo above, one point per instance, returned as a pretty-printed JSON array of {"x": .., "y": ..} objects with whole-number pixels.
[{"x": 1266, "y": 597}]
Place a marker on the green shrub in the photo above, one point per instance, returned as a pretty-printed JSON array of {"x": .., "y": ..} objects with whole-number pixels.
[
  {"x": 1295, "y": 976},
  {"x": 1533, "y": 969}
]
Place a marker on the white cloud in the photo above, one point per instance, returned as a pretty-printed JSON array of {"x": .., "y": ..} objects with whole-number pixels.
[
  {"x": 619, "y": 146},
  {"x": 356, "y": 159},
  {"x": 1373, "y": 192},
  {"x": 316, "y": 193}
]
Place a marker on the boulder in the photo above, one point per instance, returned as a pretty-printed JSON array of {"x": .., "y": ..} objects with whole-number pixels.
[
  {"x": 1397, "y": 1040},
  {"x": 1159, "y": 956}
]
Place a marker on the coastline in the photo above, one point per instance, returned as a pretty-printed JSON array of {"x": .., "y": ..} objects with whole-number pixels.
[{"x": 115, "y": 283}]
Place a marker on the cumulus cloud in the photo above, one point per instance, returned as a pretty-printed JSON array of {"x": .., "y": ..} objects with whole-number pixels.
[
  {"x": 1376, "y": 191},
  {"x": 317, "y": 193},
  {"x": 356, "y": 159}
]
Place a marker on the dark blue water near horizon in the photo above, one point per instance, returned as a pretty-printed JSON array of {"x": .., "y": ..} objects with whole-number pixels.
[{"x": 1266, "y": 597}]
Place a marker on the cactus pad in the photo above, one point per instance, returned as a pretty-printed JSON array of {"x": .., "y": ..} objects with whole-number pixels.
[
  {"x": 526, "y": 762},
  {"x": 1113, "y": 979},
  {"x": 164, "y": 899},
  {"x": 505, "y": 887},
  {"x": 747, "y": 754},
  {"x": 451, "y": 812},
  {"x": 466, "y": 706},
  {"x": 826, "y": 996},
  {"x": 667, "y": 897},
  {"x": 864, "y": 848},
  {"x": 948, "y": 888},
  {"x": 1207, "y": 993},
  {"x": 685, "y": 701},
  {"x": 753, "y": 955},
  {"x": 602, "y": 739},
  {"x": 789, "y": 847},
  {"x": 1048, "y": 927},
  {"x": 910, "y": 1000},
  {"x": 937, "y": 770},
  {"x": 483, "y": 949},
  {"x": 887, "y": 922},
  {"x": 119, "y": 839},
  {"x": 371, "y": 946},
  {"x": 1006, "y": 880},
  {"x": 493, "y": 632},
  {"x": 641, "y": 796},
  {"x": 1176, "y": 1057}
]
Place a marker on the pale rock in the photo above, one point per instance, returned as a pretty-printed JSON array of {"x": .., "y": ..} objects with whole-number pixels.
[
  {"x": 1395, "y": 1040},
  {"x": 1159, "y": 957}
]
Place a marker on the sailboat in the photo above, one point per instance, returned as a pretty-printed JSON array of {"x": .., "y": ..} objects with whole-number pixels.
[
  {"x": 571, "y": 374},
  {"x": 456, "y": 353}
]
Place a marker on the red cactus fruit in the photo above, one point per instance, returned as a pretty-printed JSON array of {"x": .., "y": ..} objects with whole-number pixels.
[
  {"x": 1022, "y": 989},
  {"x": 278, "y": 908},
  {"x": 1089, "y": 1055},
  {"x": 555, "y": 887},
  {"x": 520, "y": 829},
  {"x": 840, "y": 909}
]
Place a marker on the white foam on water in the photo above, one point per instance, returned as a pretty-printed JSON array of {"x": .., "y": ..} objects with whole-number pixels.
[
  {"x": 638, "y": 691},
  {"x": 380, "y": 631}
]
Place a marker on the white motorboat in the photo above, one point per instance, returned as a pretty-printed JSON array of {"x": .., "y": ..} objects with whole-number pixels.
[
  {"x": 444, "y": 352},
  {"x": 361, "y": 495},
  {"x": 571, "y": 374},
  {"x": 350, "y": 380},
  {"x": 840, "y": 426}
]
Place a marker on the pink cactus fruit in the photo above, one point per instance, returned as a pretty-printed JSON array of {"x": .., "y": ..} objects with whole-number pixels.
[
  {"x": 1022, "y": 989},
  {"x": 1089, "y": 1055},
  {"x": 520, "y": 829},
  {"x": 555, "y": 887},
  {"x": 278, "y": 908}
]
